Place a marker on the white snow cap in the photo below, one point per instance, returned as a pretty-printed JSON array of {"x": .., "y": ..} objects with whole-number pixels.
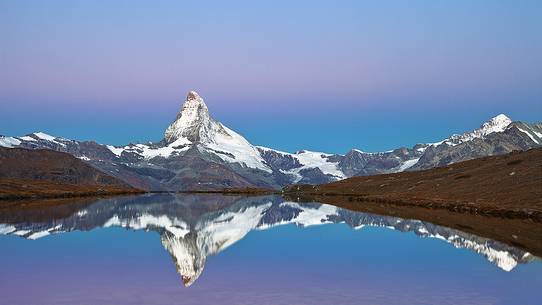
[
  {"x": 495, "y": 124},
  {"x": 9, "y": 142},
  {"x": 193, "y": 121},
  {"x": 44, "y": 136},
  {"x": 498, "y": 123}
]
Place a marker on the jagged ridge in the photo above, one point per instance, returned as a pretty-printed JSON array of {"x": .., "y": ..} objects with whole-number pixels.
[{"x": 200, "y": 153}]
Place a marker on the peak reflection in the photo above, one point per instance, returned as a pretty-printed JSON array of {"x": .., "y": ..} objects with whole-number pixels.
[{"x": 195, "y": 227}]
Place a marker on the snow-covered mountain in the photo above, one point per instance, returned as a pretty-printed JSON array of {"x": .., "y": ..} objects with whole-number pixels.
[
  {"x": 500, "y": 135},
  {"x": 496, "y": 124},
  {"x": 497, "y": 136},
  {"x": 192, "y": 228},
  {"x": 199, "y": 153}
]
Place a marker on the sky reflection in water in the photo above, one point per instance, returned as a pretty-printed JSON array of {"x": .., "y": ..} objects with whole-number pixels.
[{"x": 269, "y": 252}]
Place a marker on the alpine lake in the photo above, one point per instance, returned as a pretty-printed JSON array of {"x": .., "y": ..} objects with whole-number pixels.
[{"x": 225, "y": 249}]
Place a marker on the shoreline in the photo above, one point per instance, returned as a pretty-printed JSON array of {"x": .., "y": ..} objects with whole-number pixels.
[
  {"x": 467, "y": 208},
  {"x": 524, "y": 233},
  {"x": 322, "y": 197},
  {"x": 429, "y": 204},
  {"x": 67, "y": 195}
]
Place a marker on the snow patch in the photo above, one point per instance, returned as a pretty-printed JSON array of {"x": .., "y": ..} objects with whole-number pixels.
[
  {"x": 273, "y": 150},
  {"x": 310, "y": 216},
  {"x": 44, "y": 136},
  {"x": 37, "y": 235},
  {"x": 21, "y": 232},
  {"x": 145, "y": 221},
  {"x": 27, "y": 138},
  {"x": 9, "y": 142},
  {"x": 407, "y": 164},
  {"x": 529, "y": 134},
  {"x": 243, "y": 152},
  {"x": 116, "y": 150},
  {"x": 50, "y": 138},
  {"x": 148, "y": 151},
  {"x": 6, "y": 229},
  {"x": 421, "y": 149}
]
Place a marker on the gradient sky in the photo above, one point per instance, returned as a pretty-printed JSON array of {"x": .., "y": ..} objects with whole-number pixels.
[{"x": 316, "y": 75}]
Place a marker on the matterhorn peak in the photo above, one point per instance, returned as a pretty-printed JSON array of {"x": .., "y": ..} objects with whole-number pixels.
[
  {"x": 193, "y": 102},
  {"x": 192, "y": 95},
  {"x": 194, "y": 126},
  {"x": 193, "y": 121}
]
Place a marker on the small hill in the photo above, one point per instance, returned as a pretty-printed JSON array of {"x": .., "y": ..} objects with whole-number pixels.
[{"x": 44, "y": 173}]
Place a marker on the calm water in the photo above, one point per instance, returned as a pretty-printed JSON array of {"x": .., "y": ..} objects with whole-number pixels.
[{"x": 213, "y": 249}]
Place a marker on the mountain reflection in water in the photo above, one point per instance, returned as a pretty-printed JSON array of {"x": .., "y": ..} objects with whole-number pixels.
[{"x": 194, "y": 227}]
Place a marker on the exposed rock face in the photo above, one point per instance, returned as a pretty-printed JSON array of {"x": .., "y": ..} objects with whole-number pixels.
[
  {"x": 279, "y": 160},
  {"x": 200, "y": 153},
  {"x": 357, "y": 163},
  {"x": 314, "y": 175}
]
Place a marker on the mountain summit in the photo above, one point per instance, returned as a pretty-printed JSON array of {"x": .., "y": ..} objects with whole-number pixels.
[
  {"x": 498, "y": 123},
  {"x": 193, "y": 122}
]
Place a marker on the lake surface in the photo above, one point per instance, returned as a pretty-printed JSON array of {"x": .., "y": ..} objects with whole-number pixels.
[{"x": 214, "y": 249}]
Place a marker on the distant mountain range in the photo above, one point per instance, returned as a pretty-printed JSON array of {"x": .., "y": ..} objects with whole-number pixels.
[
  {"x": 200, "y": 153},
  {"x": 194, "y": 227}
]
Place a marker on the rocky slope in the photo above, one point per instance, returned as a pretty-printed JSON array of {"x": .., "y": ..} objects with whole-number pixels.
[{"x": 200, "y": 153}]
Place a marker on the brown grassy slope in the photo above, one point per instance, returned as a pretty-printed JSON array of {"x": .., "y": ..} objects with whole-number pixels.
[
  {"x": 508, "y": 185},
  {"x": 46, "y": 173}
]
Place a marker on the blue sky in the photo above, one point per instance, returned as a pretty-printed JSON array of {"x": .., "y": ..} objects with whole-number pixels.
[{"x": 316, "y": 75}]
